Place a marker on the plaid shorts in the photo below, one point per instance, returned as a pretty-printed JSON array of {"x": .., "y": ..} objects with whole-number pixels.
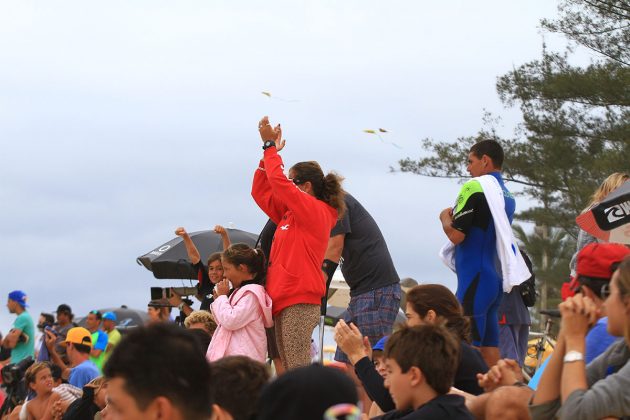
[{"x": 373, "y": 313}]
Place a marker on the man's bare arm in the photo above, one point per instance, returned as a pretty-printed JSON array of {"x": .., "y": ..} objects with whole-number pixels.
[{"x": 335, "y": 248}]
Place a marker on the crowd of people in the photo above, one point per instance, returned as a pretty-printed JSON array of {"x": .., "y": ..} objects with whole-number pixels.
[{"x": 458, "y": 355}]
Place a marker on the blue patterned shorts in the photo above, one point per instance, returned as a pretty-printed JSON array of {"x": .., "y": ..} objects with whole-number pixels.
[{"x": 373, "y": 313}]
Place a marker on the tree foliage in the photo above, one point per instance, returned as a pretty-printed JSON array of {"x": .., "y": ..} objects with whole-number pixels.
[{"x": 576, "y": 119}]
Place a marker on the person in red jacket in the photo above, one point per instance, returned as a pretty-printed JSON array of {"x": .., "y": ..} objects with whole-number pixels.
[{"x": 305, "y": 207}]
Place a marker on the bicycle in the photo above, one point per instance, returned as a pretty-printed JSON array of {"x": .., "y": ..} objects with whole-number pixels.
[{"x": 543, "y": 346}]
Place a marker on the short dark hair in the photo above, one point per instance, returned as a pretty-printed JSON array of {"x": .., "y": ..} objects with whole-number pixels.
[
  {"x": 215, "y": 256},
  {"x": 98, "y": 314},
  {"x": 431, "y": 348},
  {"x": 163, "y": 360},
  {"x": 49, "y": 319},
  {"x": 490, "y": 148},
  {"x": 237, "y": 382},
  {"x": 81, "y": 348}
]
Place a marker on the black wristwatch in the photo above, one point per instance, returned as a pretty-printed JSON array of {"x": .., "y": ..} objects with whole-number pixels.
[{"x": 268, "y": 144}]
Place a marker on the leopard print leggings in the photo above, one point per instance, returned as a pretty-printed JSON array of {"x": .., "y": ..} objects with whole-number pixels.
[{"x": 294, "y": 328}]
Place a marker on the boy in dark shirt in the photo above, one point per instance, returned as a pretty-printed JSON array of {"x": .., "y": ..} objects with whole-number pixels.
[{"x": 421, "y": 362}]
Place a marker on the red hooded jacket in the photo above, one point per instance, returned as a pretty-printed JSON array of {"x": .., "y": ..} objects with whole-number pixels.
[{"x": 304, "y": 223}]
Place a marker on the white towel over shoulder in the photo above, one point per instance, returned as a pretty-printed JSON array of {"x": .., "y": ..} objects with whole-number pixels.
[{"x": 514, "y": 271}]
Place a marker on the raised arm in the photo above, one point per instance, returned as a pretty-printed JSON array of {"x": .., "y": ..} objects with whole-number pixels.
[
  {"x": 50, "y": 341},
  {"x": 191, "y": 249},
  {"x": 261, "y": 188},
  {"x": 225, "y": 237}
]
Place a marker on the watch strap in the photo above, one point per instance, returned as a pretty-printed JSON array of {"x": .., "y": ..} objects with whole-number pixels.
[
  {"x": 268, "y": 144},
  {"x": 573, "y": 356}
]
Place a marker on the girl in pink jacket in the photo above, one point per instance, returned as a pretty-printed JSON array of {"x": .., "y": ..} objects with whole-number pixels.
[{"x": 243, "y": 313}]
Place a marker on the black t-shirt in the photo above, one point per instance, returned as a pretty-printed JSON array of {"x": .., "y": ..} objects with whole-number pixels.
[
  {"x": 265, "y": 239},
  {"x": 441, "y": 407},
  {"x": 205, "y": 286},
  {"x": 367, "y": 264}
]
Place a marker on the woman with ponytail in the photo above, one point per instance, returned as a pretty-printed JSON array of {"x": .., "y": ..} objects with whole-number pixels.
[
  {"x": 305, "y": 206},
  {"x": 242, "y": 314}
]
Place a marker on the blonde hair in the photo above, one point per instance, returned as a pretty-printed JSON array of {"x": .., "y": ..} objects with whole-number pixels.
[
  {"x": 609, "y": 185},
  {"x": 203, "y": 317},
  {"x": 97, "y": 383},
  {"x": 33, "y": 370}
]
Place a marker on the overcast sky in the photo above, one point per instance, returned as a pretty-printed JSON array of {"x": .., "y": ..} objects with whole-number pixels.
[{"x": 120, "y": 121}]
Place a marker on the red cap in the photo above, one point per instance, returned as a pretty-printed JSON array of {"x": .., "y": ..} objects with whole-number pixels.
[{"x": 595, "y": 259}]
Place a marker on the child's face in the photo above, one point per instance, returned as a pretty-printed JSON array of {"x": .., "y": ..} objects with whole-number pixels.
[
  {"x": 399, "y": 385},
  {"x": 215, "y": 271},
  {"x": 379, "y": 365},
  {"x": 236, "y": 274},
  {"x": 43, "y": 382}
]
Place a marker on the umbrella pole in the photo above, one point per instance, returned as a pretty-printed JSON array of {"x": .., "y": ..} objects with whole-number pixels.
[{"x": 322, "y": 320}]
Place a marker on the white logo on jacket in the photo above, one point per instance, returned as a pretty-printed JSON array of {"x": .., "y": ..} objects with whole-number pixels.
[{"x": 284, "y": 227}]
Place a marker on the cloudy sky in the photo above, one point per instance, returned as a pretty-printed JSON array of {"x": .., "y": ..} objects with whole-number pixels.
[{"x": 120, "y": 121}]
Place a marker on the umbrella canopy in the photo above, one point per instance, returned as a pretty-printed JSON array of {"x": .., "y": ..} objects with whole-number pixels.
[
  {"x": 610, "y": 219},
  {"x": 125, "y": 317},
  {"x": 170, "y": 260}
]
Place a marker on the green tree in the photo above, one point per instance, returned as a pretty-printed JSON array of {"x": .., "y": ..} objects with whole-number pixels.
[
  {"x": 550, "y": 251},
  {"x": 576, "y": 120},
  {"x": 575, "y": 131}
]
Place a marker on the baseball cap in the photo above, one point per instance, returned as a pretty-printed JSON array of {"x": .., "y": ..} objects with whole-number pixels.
[
  {"x": 64, "y": 308},
  {"x": 79, "y": 335},
  {"x": 380, "y": 345},
  {"x": 19, "y": 297},
  {"x": 595, "y": 260},
  {"x": 110, "y": 315}
]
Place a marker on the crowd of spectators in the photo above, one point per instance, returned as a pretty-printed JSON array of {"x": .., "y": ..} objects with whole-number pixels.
[{"x": 458, "y": 355}]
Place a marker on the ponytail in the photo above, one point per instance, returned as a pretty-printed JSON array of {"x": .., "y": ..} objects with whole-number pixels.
[
  {"x": 325, "y": 188},
  {"x": 333, "y": 194}
]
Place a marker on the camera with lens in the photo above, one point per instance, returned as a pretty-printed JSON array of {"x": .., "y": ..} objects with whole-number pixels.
[{"x": 13, "y": 381}]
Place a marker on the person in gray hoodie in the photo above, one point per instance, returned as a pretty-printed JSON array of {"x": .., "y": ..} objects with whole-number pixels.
[{"x": 570, "y": 389}]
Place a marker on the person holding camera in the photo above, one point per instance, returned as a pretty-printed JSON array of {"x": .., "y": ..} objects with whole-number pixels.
[{"x": 21, "y": 338}]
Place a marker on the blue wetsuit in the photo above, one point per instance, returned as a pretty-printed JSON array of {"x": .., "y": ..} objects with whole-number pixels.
[{"x": 479, "y": 284}]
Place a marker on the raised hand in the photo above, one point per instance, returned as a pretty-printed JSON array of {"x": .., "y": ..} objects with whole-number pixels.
[
  {"x": 505, "y": 372},
  {"x": 180, "y": 231},
  {"x": 351, "y": 341},
  {"x": 267, "y": 132}
]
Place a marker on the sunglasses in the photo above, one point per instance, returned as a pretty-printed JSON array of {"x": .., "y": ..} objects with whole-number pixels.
[{"x": 604, "y": 292}]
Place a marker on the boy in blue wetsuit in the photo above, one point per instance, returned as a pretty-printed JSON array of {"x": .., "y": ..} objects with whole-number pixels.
[{"x": 470, "y": 226}]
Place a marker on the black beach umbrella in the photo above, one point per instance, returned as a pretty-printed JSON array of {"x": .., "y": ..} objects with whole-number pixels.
[{"x": 170, "y": 260}]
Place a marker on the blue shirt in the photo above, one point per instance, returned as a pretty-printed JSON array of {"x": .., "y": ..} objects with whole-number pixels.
[
  {"x": 83, "y": 373},
  {"x": 598, "y": 340}
]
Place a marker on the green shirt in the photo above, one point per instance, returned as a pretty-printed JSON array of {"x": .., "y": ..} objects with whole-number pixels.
[
  {"x": 99, "y": 342},
  {"x": 113, "y": 338},
  {"x": 22, "y": 350}
]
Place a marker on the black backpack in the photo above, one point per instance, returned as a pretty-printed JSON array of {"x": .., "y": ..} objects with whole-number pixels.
[{"x": 528, "y": 287}]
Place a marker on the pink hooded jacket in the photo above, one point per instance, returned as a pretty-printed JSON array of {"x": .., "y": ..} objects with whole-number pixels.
[{"x": 241, "y": 321}]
